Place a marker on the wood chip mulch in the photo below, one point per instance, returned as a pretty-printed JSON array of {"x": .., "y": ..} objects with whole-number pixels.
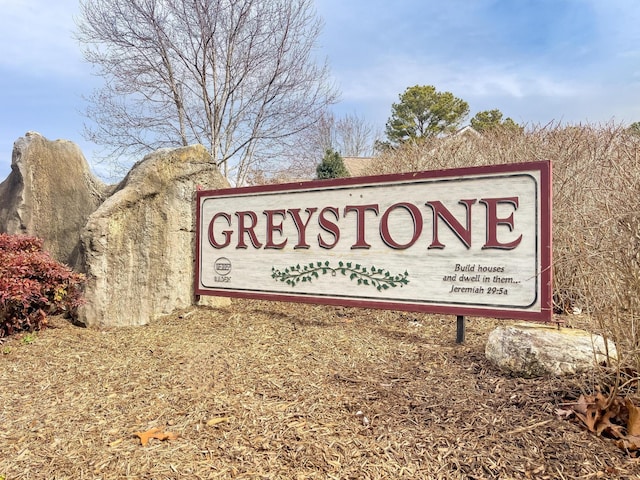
[{"x": 263, "y": 390}]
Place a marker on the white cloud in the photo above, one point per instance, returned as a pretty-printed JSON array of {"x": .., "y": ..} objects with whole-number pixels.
[
  {"x": 575, "y": 60},
  {"x": 390, "y": 77}
]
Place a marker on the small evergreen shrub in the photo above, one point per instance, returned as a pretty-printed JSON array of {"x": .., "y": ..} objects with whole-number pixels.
[
  {"x": 332, "y": 166},
  {"x": 33, "y": 285}
]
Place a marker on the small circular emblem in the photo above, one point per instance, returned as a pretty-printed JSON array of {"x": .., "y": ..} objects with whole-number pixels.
[{"x": 222, "y": 266}]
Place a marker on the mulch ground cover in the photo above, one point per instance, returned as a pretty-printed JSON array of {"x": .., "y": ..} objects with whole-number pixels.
[{"x": 267, "y": 390}]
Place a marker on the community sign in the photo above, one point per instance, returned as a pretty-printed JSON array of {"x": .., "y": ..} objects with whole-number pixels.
[{"x": 467, "y": 241}]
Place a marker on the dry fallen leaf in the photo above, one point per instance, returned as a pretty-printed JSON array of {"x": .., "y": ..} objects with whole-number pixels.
[
  {"x": 155, "y": 433},
  {"x": 601, "y": 401},
  {"x": 633, "y": 425},
  {"x": 629, "y": 443},
  {"x": 596, "y": 412},
  {"x": 605, "y": 424},
  {"x": 563, "y": 412},
  {"x": 590, "y": 418},
  {"x": 216, "y": 421},
  {"x": 581, "y": 405},
  {"x": 607, "y": 416}
]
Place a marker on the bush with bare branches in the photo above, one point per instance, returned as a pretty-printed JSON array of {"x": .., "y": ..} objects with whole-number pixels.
[{"x": 596, "y": 211}]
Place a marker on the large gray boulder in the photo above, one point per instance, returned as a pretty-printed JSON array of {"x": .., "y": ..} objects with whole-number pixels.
[
  {"x": 138, "y": 246},
  {"x": 533, "y": 350},
  {"x": 49, "y": 193}
]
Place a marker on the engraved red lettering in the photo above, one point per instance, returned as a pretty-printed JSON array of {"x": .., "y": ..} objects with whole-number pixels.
[
  {"x": 416, "y": 218},
  {"x": 440, "y": 211},
  {"x": 360, "y": 223},
  {"x": 247, "y": 228},
  {"x": 300, "y": 225},
  {"x": 273, "y": 227},
  {"x": 225, "y": 233},
  {"x": 493, "y": 221},
  {"x": 329, "y": 227}
]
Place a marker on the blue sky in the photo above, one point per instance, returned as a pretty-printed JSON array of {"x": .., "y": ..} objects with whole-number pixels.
[{"x": 574, "y": 61}]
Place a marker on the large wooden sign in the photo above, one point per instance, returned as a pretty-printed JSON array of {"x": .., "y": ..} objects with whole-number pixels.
[{"x": 470, "y": 241}]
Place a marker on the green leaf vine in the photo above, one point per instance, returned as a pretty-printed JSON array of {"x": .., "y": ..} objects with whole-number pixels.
[{"x": 377, "y": 277}]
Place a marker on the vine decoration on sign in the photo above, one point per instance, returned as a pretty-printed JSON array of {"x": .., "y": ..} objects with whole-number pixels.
[{"x": 376, "y": 277}]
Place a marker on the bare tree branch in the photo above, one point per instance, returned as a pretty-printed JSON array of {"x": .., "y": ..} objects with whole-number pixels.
[{"x": 237, "y": 76}]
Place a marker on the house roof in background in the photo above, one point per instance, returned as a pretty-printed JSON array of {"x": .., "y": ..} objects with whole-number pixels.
[
  {"x": 467, "y": 130},
  {"x": 361, "y": 166},
  {"x": 358, "y": 166}
]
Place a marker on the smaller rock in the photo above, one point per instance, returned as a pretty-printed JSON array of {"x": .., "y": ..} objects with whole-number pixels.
[{"x": 533, "y": 350}]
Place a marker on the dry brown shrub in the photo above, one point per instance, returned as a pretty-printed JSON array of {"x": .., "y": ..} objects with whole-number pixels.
[{"x": 596, "y": 212}]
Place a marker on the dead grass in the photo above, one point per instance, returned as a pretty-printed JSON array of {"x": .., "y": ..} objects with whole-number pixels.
[{"x": 285, "y": 391}]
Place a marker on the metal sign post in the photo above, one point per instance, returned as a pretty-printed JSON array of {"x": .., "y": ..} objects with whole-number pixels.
[{"x": 460, "y": 331}]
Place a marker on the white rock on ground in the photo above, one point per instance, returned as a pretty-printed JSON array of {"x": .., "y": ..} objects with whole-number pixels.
[{"x": 534, "y": 350}]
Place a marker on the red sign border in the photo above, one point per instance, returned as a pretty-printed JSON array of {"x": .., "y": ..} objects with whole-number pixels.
[{"x": 544, "y": 167}]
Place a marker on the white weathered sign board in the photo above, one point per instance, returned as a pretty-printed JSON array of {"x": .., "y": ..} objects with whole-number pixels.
[{"x": 470, "y": 241}]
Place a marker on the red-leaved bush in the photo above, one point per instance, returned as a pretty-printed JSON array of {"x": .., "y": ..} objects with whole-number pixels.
[{"x": 33, "y": 285}]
